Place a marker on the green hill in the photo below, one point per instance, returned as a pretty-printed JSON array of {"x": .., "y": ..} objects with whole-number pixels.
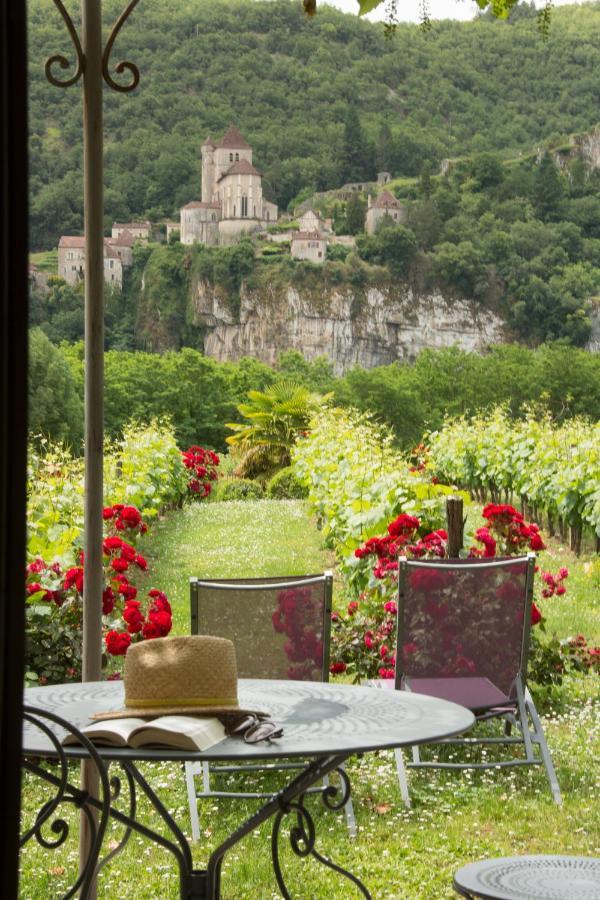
[{"x": 293, "y": 86}]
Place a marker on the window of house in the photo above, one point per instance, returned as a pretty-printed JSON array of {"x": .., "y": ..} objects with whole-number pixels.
[
  {"x": 244, "y": 206},
  {"x": 234, "y": 210},
  {"x": 320, "y": 254},
  {"x": 237, "y": 157},
  {"x": 231, "y": 157}
]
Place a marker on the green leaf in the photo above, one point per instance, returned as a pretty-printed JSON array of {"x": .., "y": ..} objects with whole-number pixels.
[{"x": 367, "y": 6}]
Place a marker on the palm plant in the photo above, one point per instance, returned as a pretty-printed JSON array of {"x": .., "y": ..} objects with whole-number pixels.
[{"x": 274, "y": 419}]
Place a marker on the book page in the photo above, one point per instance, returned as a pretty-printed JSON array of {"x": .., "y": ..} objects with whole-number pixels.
[
  {"x": 185, "y": 732},
  {"x": 115, "y": 732}
]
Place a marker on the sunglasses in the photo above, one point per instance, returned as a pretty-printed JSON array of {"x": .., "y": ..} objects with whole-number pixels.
[{"x": 253, "y": 729}]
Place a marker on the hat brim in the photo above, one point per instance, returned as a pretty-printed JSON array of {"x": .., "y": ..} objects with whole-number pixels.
[{"x": 132, "y": 712}]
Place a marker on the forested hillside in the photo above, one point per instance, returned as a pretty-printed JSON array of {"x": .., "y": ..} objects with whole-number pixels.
[{"x": 322, "y": 100}]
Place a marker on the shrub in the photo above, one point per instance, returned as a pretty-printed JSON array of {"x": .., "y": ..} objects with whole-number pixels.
[
  {"x": 238, "y": 489},
  {"x": 54, "y": 603},
  {"x": 285, "y": 485}
]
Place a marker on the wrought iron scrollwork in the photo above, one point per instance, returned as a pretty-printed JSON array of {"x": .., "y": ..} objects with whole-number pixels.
[
  {"x": 302, "y": 838},
  {"x": 123, "y": 65},
  {"x": 66, "y": 793},
  {"x": 120, "y": 68},
  {"x": 61, "y": 60},
  {"x": 333, "y": 797},
  {"x": 115, "y": 792}
]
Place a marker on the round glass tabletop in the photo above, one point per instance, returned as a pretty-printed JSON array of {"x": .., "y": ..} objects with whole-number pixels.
[{"x": 318, "y": 719}]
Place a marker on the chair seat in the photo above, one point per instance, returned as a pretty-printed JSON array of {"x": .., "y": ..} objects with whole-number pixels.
[
  {"x": 531, "y": 878},
  {"x": 475, "y": 693}
]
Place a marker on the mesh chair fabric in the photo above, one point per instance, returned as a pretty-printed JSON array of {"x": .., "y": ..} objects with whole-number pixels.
[
  {"x": 463, "y": 620},
  {"x": 278, "y": 628}
]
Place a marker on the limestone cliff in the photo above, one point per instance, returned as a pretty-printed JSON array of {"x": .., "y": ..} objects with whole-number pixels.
[{"x": 364, "y": 326}]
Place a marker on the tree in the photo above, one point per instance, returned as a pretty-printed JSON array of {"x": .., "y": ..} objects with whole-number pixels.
[
  {"x": 355, "y": 152},
  {"x": 425, "y": 180},
  {"x": 487, "y": 171},
  {"x": 55, "y": 409},
  {"x": 548, "y": 190},
  {"x": 356, "y": 210},
  {"x": 392, "y": 245},
  {"x": 384, "y": 151},
  {"x": 274, "y": 419}
]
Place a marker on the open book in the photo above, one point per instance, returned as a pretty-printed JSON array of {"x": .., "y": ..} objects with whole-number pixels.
[{"x": 179, "y": 732}]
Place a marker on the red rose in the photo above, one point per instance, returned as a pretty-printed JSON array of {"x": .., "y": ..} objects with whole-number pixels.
[
  {"x": 108, "y": 601},
  {"x": 74, "y": 578},
  {"x": 536, "y": 615},
  {"x": 337, "y": 668},
  {"x": 150, "y": 631},
  {"x": 162, "y": 620},
  {"x": 119, "y": 564},
  {"x": 127, "y": 551},
  {"x": 117, "y": 643},
  {"x": 112, "y": 543},
  {"x": 387, "y": 673},
  {"x": 37, "y": 566},
  {"x": 140, "y": 562},
  {"x": 352, "y": 607},
  {"x": 108, "y": 512}
]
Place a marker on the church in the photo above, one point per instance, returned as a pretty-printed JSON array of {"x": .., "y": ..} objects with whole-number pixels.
[{"x": 232, "y": 203}]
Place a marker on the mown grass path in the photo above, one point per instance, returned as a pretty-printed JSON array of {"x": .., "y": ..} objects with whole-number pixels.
[
  {"x": 399, "y": 854},
  {"x": 236, "y": 539}
]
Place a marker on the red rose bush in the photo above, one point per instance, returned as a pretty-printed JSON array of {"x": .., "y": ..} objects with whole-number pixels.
[
  {"x": 55, "y": 595},
  {"x": 202, "y": 467},
  {"x": 364, "y": 636}
]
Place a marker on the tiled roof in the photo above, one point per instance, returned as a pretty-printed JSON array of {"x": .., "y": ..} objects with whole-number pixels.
[
  {"x": 208, "y": 142},
  {"x": 77, "y": 242},
  {"x": 202, "y": 204},
  {"x": 72, "y": 240},
  {"x": 130, "y": 225},
  {"x": 386, "y": 200},
  {"x": 308, "y": 236},
  {"x": 241, "y": 167},
  {"x": 233, "y": 140},
  {"x": 108, "y": 250},
  {"x": 125, "y": 239}
]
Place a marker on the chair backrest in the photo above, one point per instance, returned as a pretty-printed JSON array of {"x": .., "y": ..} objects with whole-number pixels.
[
  {"x": 280, "y": 627},
  {"x": 462, "y": 618}
]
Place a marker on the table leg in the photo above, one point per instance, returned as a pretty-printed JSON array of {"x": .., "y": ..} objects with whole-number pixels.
[{"x": 290, "y": 800}]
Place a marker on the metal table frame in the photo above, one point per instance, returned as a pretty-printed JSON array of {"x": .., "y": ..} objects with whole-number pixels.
[{"x": 206, "y": 883}]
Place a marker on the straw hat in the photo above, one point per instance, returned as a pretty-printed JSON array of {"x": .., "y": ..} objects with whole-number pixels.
[{"x": 196, "y": 674}]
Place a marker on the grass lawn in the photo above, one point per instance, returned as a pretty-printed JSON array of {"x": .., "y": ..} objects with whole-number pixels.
[{"x": 456, "y": 818}]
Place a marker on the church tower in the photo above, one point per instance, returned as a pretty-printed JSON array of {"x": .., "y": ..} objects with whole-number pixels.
[{"x": 208, "y": 170}]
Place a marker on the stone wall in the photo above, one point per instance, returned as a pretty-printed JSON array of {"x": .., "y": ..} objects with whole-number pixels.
[{"x": 353, "y": 327}]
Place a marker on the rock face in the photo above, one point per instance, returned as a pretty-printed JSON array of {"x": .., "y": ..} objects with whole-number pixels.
[{"x": 367, "y": 326}]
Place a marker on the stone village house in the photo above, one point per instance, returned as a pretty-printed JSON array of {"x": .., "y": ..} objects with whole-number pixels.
[
  {"x": 383, "y": 205},
  {"x": 309, "y": 245},
  {"x": 118, "y": 254}
]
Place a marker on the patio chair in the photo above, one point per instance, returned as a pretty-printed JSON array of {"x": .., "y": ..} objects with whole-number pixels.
[
  {"x": 463, "y": 635},
  {"x": 281, "y": 628}
]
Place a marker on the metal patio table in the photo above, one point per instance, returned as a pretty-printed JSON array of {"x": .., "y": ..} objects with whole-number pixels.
[{"x": 324, "y": 724}]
